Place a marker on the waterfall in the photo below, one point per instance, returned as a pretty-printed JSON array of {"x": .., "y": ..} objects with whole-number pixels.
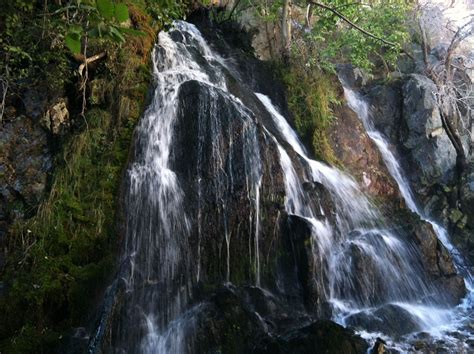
[
  {"x": 203, "y": 205},
  {"x": 390, "y": 257},
  {"x": 360, "y": 107}
]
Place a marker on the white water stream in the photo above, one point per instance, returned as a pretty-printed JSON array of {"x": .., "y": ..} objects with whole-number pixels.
[
  {"x": 391, "y": 257},
  {"x": 441, "y": 321}
]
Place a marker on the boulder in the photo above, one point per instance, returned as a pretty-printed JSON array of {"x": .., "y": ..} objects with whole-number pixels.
[
  {"x": 438, "y": 264},
  {"x": 25, "y": 162},
  {"x": 56, "y": 119},
  {"x": 227, "y": 322},
  {"x": 389, "y": 319},
  {"x": 318, "y": 337},
  {"x": 431, "y": 157}
]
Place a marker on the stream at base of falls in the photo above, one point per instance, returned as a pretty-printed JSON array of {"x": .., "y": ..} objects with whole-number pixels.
[{"x": 216, "y": 170}]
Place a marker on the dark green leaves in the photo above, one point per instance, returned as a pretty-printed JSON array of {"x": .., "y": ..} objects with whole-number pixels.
[
  {"x": 116, "y": 35},
  {"x": 106, "y": 8},
  {"x": 104, "y": 17}
]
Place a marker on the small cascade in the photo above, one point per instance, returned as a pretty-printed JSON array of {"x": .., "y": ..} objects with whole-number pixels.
[
  {"x": 434, "y": 319},
  {"x": 363, "y": 232},
  {"x": 358, "y": 105}
]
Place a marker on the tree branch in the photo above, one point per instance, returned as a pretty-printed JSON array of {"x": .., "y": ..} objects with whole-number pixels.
[
  {"x": 360, "y": 29},
  {"x": 352, "y": 24},
  {"x": 90, "y": 60},
  {"x": 462, "y": 33}
]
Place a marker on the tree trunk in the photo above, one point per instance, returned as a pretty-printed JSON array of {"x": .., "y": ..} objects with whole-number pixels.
[{"x": 286, "y": 30}]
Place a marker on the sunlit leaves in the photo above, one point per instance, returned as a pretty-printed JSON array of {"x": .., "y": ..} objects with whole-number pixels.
[
  {"x": 121, "y": 13},
  {"x": 336, "y": 40}
]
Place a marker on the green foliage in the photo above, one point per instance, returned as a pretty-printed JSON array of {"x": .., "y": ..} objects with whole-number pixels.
[
  {"x": 99, "y": 19},
  {"x": 121, "y": 13},
  {"x": 338, "y": 40},
  {"x": 330, "y": 39},
  {"x": 29, "y": 53},
  {"x": 165, "y": 11},
  {"x": 106, "y": 8},
  {"x": 36, "y": 35}
]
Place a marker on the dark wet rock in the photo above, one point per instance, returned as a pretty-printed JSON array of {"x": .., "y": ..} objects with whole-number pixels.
[
  {"x": 439, "y": 265},
  {"x": 227, "y": 323},
  {"x": 234, "y": 43},
  {"x": 35, "y": 103},
  {"x": 467, "y": 197},
  {"x": 389, "y": 319},
  {"x": 318, "y": 337},
  {"x": 311, "y": 270},
  {"x": 386, "y": 108}
]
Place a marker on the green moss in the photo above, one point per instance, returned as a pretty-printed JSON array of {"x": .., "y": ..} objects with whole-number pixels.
[
  {"x": 311, "y": 94},
  {"x": 71, "y": 240},
  {"x": 62, "y": 258}
]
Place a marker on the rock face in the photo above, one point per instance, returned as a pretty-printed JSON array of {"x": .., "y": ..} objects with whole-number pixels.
[
  {"x": 431, "y": 153},
  {"x": 386, "y": 108},
  {"x": 356, "y": 151},
  {"x": 352, "y": 145},
  {"x": 438, "y": 263},
  {"x": 25, "y": 161},
  {"x": 230, "y": 325}
]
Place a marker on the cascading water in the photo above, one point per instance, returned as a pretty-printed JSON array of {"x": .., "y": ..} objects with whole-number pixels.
[
  {"x": 211, "y": 159},
  {"x": 360, "y": 228},
  {"x": 161, "y": 272},
  {"x": 360, "y": 106}
]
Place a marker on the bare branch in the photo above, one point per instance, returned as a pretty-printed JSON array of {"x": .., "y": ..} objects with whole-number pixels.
[
  {"x": 89, "y": 61},
  {"x": 5, "y": 86},
  {"x": 462, "y": 33}
]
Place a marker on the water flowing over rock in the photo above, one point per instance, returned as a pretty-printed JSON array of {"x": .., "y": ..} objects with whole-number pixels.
[
  {"x": 236, "y": 240},
  {"x": 431, "y": 238}
]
